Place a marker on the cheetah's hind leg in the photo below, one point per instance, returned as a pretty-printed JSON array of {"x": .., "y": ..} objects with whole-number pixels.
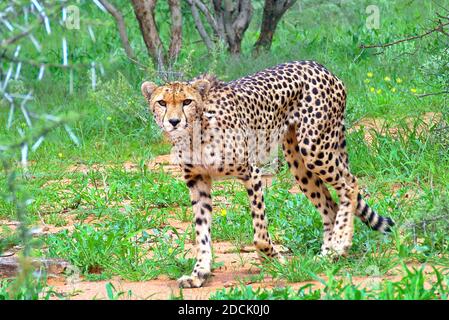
[{"x": 312, "y": 186}]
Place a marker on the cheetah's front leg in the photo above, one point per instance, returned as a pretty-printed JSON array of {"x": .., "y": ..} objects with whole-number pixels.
[
  {"x": 262, "y": 239},
  {"x": 200, "y": 188}
]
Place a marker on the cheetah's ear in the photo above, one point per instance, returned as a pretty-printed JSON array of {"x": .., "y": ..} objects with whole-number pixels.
[
  {"x": 202, "y": 86},
  {"x": 148, "y": 89}
]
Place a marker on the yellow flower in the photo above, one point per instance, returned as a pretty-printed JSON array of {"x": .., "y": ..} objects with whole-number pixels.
[
  {"x": 413, "y": 90},
  {"x": 379, "y": 91},
  {"x": 109, "y": 118},
  {"x": 367, "y": 81},
  {"x": 398, "y": 80},
  {"x": 223, "y": 212},
  {"x": 60, "y": 155},
  {"x": 369, "y": 74},
  {"x": 393, "y": 90},
  {"x": 387, "y": 79},
  {"x": 372, "y": 89},
  {"x": 170, "y": 250}
]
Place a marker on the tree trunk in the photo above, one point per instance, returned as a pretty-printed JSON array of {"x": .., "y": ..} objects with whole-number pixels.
[
  {"x": 121, "y": 27},
  {"x": 176, "y": 29},
  {"x": 233, "y": 18},
  {"x": 194, "y": 6},
  {"x": 144, "y": 11},
  {"x": 272, "y": 14},
  {"x": 229, "y": 21}
]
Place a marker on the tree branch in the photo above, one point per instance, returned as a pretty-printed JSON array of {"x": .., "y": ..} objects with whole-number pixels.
[
  {"x": 45, "y": 64},
  {"x": 208, "y": 15},
  {"x": 432, "y": 94},
  {"x": 7, "y": 42},
  {"x": 121, "y": 27},
  {"x": 200, "y": 26},
  {"x": 438, "y": 28}
]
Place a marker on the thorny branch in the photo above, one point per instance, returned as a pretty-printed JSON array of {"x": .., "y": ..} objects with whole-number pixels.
[
  {"x": 36, "y": 63},
  {"x": 432, "y": 94},
  {"x": 438, "y": 28},
  {"x": 43, "y": 132},
  {"x": 27, "y": 31},
  {"x": 7, "y": 42}
]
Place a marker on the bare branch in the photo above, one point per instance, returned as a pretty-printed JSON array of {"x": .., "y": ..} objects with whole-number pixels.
[
  {"x": 5, "y": 43},
  {"x": 121, "y": 27},
  {"x": 438, "y": 28},
  {"x": 444, "y": 32},
  {"x": 442, "y": 17},
  {"x": 45, "y": 64},
  {"x": 27, "y": 31},
  {"x": 209, "y": 17},
  {"x": 432, "y": 94},
  {"x": 199, "y": 25}
]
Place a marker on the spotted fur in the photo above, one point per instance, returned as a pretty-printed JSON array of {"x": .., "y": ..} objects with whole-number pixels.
[{"x": 298, "y": 104}]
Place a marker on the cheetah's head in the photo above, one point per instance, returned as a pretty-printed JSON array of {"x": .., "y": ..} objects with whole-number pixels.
[{"x": 176, "y": 105}]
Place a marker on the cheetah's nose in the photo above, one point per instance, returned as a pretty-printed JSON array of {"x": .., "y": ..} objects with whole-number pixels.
[{"x": 174, "y": 122}]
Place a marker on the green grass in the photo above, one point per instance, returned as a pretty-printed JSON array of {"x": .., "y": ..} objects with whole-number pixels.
[
  {"x": 118, "y": 248},
  {"x": 404, "y": 175},
  {"x": 414, "y": 285}
]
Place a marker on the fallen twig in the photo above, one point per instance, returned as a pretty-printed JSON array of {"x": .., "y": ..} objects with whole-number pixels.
[{"x": 10, "y": 266}]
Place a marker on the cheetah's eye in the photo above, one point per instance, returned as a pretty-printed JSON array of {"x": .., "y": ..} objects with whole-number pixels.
[
  {"x": 162, "y": 103},
  {"x": 187, "y": 102}
]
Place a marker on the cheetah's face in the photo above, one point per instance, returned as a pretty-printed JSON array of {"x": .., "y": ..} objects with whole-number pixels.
[{"x": 175, "y": 105}]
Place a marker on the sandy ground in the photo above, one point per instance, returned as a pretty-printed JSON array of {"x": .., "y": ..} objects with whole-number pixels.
[{"x": 236, "y": 268}]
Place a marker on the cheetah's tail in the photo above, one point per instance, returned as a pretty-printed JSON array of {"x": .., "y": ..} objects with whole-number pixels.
[{"x": 371, "y": 218}]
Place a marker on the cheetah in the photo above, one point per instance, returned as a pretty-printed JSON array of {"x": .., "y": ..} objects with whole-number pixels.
[{"x": 226, "y": 129}]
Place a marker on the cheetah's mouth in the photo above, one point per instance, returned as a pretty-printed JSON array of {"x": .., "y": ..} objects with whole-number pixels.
[{"x": 177, "y": 129}]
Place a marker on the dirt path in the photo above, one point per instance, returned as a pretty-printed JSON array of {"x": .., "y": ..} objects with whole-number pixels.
[{"x": 235, "y": 267}]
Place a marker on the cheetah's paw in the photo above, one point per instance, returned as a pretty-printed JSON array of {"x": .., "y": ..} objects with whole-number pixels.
[
  {"x": 325, "y": 251},
  {"x": 340, "y": 249},
  {"x": 193, "y": 281},
  {"x": 281, "y": 258}
]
